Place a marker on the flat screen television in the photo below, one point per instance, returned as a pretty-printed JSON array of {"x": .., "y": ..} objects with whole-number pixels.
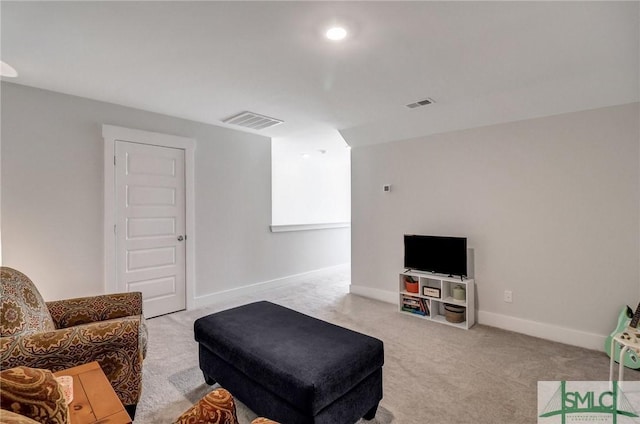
[{"x": 442, "y": 255}]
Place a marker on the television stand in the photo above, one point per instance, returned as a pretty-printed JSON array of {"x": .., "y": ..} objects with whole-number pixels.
[{"x": 435, "y": 299}]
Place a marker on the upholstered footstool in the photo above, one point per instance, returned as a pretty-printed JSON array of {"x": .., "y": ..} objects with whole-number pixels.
[{"x": 291, "y": 367}]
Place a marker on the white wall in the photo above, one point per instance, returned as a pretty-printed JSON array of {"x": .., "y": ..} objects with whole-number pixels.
[
  {"x": 311, "y": 180},
  {"x": 550, "y": 207},
  {"x": 52, "y": 198}
]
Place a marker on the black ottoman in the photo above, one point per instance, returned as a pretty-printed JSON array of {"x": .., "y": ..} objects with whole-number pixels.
[{"x": 291, "y": 367}]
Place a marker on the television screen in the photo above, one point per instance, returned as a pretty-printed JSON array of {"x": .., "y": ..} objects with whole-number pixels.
[{"x": 442, "y": 255}]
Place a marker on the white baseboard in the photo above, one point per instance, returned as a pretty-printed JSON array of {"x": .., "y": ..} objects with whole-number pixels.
[
  {"x": 542, "y": 330},
  {"x": 211, "y": 298},
  {"x": 505, "y": 322},
  {"x": 377, "y": 294}
]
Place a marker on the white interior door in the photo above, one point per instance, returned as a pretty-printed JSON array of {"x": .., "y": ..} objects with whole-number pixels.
[{"x": 150, "y": 225}]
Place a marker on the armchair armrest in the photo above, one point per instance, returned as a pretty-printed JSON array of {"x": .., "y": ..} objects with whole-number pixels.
[
  {"x": 83, "y": 310},
  {"x": 115, "y": 344},
  {"x": 216, "y": 407},
  {"x": 32, "y": 393}
]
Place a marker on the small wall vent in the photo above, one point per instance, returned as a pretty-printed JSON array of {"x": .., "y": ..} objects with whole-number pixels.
[
  {"x": 420, "y": 103},
  {"x": 252, "y": 120}
]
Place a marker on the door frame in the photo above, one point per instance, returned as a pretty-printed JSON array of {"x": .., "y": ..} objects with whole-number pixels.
[{"x": 111, "y": 134}]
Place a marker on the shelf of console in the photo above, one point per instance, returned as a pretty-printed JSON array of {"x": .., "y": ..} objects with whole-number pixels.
[
  {"x": 432, "y": 308},
  {"x": 448, "y": 299},
  {"x": 439, "y": 319}
]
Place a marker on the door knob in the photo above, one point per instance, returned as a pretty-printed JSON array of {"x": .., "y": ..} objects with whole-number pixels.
[{"x": 180, "y": 238}]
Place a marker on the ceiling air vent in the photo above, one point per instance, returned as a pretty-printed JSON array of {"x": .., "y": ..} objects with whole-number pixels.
[
  {"x": 420, "y": 103},
  {"x": 252, "y": 120}
]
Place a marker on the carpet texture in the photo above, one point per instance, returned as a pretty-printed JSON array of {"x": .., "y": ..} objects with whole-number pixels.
[{"x": 433, "y": 373}]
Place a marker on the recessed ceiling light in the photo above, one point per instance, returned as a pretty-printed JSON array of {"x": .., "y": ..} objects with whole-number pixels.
[
  {"x": 336, "y": 33},
  {"x": 7, "y": 70}
]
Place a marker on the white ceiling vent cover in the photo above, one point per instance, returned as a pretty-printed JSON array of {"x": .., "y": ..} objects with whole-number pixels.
[
  {"x": 252, "y": 120},
  {"x": 420, "y": 103}
]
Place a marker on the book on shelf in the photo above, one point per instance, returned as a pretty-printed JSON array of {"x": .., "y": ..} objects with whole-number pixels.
[
  {"x": 415, "y": 305},
  {"x": 414, "y": 311}
]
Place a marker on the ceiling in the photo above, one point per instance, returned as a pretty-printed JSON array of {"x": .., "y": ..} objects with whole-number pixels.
[{"x": 482, "y": 62}]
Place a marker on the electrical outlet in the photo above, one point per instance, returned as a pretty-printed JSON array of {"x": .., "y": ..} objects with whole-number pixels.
[{"x": 508, "y": 296}]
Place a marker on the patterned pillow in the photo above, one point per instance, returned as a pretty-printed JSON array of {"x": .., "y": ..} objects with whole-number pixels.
[
  {"x": 33, "y": 393},
  {"x": 217, "y": 407},
  {"x": 22, "y": 309},
  {"x": 8, "y": 417}
]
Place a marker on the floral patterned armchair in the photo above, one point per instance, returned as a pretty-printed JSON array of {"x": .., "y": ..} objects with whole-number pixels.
[{"x": 57, "y": 335}]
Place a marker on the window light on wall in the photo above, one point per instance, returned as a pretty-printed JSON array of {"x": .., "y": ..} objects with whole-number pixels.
[{"x": 7, "y": 70}]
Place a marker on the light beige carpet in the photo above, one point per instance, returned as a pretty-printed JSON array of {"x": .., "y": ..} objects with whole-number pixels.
[{"x": 433, "y": 373}]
